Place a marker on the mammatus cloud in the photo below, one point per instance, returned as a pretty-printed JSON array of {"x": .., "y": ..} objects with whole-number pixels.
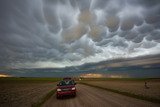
[{"x": 59, "y": 33}]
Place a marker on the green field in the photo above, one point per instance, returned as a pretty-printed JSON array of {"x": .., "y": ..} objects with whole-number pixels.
[
  {"x": 118, "y": 79},
  {"x": 27, "y": 79}
]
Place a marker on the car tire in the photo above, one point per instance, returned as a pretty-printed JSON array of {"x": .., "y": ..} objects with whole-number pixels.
[
  {"x": 74, "y": 95},
  {"x": 58, "y": 97}
]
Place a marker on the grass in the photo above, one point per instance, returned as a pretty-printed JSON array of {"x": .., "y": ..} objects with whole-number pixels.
[
  {"x": 44, "y": 99},
  {"x": 146, "y": 98},
  {"x": 18, "y": 81},
  {"x": 27, "y": 79},
  {"x": 117, "y": 79},
  {"x": 42, "y": 79}
]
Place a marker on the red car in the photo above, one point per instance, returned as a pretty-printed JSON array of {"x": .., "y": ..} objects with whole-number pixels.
[{"x": 66, "y": 87}]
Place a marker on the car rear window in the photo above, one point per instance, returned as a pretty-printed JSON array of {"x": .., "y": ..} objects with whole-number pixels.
[{"x": 70, "y": 82}]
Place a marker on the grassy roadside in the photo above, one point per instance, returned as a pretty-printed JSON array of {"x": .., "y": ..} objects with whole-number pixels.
[
  {"x": 118, "y": 79},
  {"x": 146, "y": 98},
  {"x": 27, "y": 80},
  {"x": 43, "y": 99},
  {"x": 35, "y": 90}
]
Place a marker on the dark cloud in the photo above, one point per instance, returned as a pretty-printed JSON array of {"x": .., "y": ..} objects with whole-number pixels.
[
  {"x": 127, "y": 24},
  {"x": 99, "y": 4},
  {"x": 145, "y": 28},
  {"x": 131, "y": 35},
  {"x": 58, "y": 33},
  {"x": 112, "y": 23}
]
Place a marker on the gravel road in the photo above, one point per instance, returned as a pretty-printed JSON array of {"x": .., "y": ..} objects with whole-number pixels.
[{"x": 93, "y": 97}]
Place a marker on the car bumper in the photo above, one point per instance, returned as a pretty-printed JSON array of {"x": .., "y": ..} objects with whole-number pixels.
[{"x": 63, "y": 93}]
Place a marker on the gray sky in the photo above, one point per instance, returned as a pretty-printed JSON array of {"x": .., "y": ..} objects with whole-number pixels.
[{"x": 59, "y": 33}]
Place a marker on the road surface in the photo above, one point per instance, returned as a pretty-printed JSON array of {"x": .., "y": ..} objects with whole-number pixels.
[{"x": 93, "y": 97}]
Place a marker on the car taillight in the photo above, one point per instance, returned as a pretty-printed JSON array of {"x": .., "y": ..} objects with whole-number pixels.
[
  {"x": 59, "y": 89},
  {"x": 73, "y": 88}
]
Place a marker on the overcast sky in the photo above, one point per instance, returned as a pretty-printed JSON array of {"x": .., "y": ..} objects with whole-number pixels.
[{"x": 59, "y": 33}]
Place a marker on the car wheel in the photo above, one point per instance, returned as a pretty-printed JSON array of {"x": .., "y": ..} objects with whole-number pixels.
[
  {"x": 74, "y": 95},
  {"x": 58, "y": 97}
]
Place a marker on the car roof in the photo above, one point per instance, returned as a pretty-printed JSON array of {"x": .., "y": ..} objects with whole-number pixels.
[{"x": 67, "y": 78}]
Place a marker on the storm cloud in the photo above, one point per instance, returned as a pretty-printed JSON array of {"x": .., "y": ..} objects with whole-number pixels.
[{"x": 59, "y": 33}]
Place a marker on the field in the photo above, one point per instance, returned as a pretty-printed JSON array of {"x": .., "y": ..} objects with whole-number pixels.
[
  {"x": 130, "y": 86},
  {"x": 15, "y": 92},
  {"x": 26, "y": 92}
]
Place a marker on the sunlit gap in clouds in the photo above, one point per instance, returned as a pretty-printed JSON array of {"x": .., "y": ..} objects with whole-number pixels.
[
  {"x": 91, "y": 75},
  {"x": 60, "y": 33},
  {"x": 5, "y": 75},
  {"x": 98, "y": 75}
]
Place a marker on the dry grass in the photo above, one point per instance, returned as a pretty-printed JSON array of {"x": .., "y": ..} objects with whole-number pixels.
[
  {"x": 133, "y": 87},
  {"x": 23, "y": 94}
]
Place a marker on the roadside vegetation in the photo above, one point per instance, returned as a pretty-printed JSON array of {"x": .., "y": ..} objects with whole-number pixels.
[
  {"x": 42, "y": 100},
  {"x": 26, "y": 92},
  {"x": 27, "y": 79},
  {"x": 132, "y": 87}
]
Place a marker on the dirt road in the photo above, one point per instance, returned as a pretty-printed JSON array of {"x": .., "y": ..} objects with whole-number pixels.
[{"x": 93, "y": 97}]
